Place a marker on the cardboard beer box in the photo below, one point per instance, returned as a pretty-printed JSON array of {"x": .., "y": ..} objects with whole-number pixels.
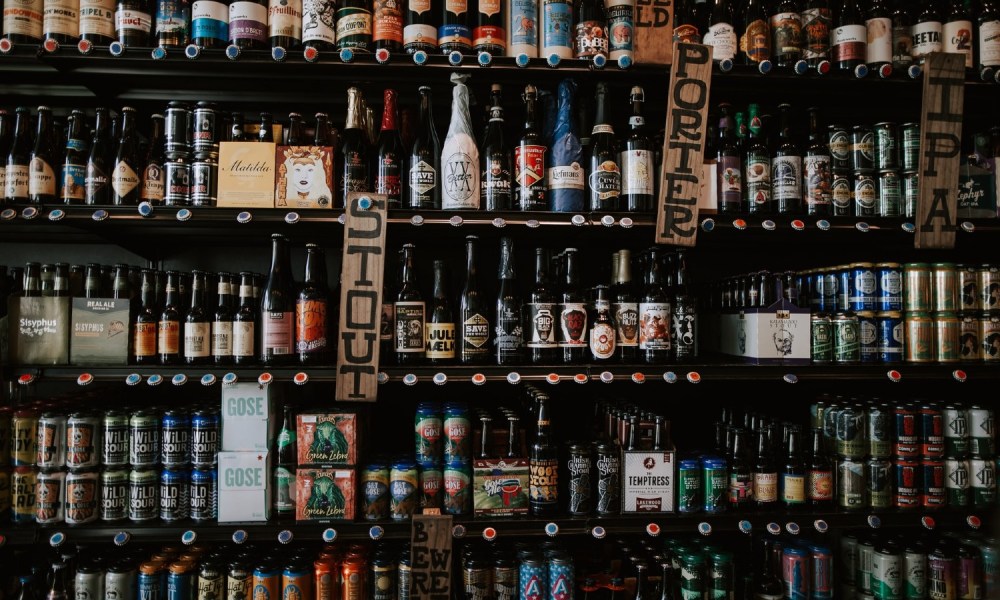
[
  {"x": 249, "y": 416},
  {"x": 100, "y": 331},
  {"x": 778, "y": 334},
  {"x": 246, "y": 174},
  {"x": 305, "y": 177},
  {"x": 324, "y": 494},
  {"x": 244, "y": 486},
  {"x": 648, "y": 482},
  {"x": 327, "y": 438},
  {"x": 500, "y": 487},
  {"x": 38, "y": 330}
]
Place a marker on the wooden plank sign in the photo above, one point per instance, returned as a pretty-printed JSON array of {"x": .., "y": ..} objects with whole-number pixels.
[
  {"x": 361, "y": 297},
  {"x": 430, "y": 557},
  {"x": 654, "y": 30},
  {"x": 684, "y": 145},
  {"x": 940, "y": 150}
]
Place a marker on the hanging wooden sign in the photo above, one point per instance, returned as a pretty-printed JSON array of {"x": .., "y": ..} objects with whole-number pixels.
[
  {"x": 654, "y": 30},
  {"x": 430, "y": 557}
]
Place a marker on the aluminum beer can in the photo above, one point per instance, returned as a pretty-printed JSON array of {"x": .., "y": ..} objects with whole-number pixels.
[
  {"x": 911, "y": 194},
  {"x": 175, "y": 489},
  {"x": 944, "y": 287},
  {"x": 911, "y": 146},
  {"x": 890, "y": 286},
  {"x": 608, "y": 465},
  {"x": 716, "y": 484},
  {"x": 504, "y": 579},
  {"x": 890, "y": 194},
  {"x": 843, "y": 287},
  {"x": 942, "y": 575},
  {"x": 205, "y": 129},
  {"x": 846, "y": 338},
  {"x": 906, "y": 442},
  {"x": 848, "y": 552},
  {"x": 907, "y": 481},
  {"x": 120, "y": 582},
  {"x": 457, "y": 434},
  {"x": 866, "y": 563},
  {"x": 23, "y": 481},
  {"x": 886, "y": 146},
  {"x": 864, "y": 287},
  {"x": 982, "y": 439},
  {"x": 914, "y": 573},
  {"x": 403, "y": 492},
  {"x": 375, "y": 496},
  {"x": 839, "y": 141},
  {"x": 427, "y": 429},
  {"x": 918, "y": 346},
  {"x": 24, "y": 438},
  {"x": 580, "y": 487},
  {"x": 151, "y": 578},
  {"x": 431, "y": 486},
  {"x": 82, "y": 441},
  {"x": 204, "y": 181},
  {"x": 115, "y": 439},
  {"x": 239, "y": 582},
  {"x": 175, "y": 438},
  {"x": 878, "y": 479},
  {"x": 204, "y": 494},
  {"x": 82, "y": 497},
  {"x": 692, "y": 575},
  {"x": 887, "y": 573},
  {"x": 970, "y": 346},
  {"x": 970, "y": 572},
  {"x": 50, "y": 497},
  {"x": 956, "y": 431},
  {"x": 88, "y": 582},
  {"x": 689, "y": 486},
  {"x": 830, "y": 416},
  {"x": 916, "y": 287},
  {"x": 862, "y": 148},
  {"x": 851, "y": 484},
  {"x": 868, "y": 336},
  {"x": 822, "y": 338},
  {"x": 865, "y": 196},
  {"x": 931, "y": 431},
  {"x": 889, "y": 327},
  {"x": 989, "y": 337},
  {"x": 114, "y": 495},
  {"x": 968, "y": 288},
  {"x": 841, "y": 191},
  {"x": 989, "y": 287},
  {"x": 143, "y": 495},
  {"x": 457, "y": 485},
  {"x": 181, "y": 581},
  {"x": 533, "y": 578},
  {"x": 144, "y": 439},
  {"x": 991, "y": 568},
  {"x": 562, "y": 575},
  {"x": 820, "y": 572},
  {"x": 934, "y": 487},
  {"x": 177, "y": 128},
  {"x": 956, "y": 482},
  {"x": 204, "y": 437},
  {"x": 851, "y": 433},
  {"x": 51, "y": 441},
  {"x": 984, "y": 487},
  {"x": 947, "y": 332},
  {"x": 267, "y": 582}
]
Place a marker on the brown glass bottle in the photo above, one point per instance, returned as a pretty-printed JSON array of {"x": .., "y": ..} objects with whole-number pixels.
[
  {"x": 410, "y": 312},
  {"x": 125, "y": 175},
  {"x": 44, "y": 164},
  {"x": 277, "y": 307},
  {"x": 474, "y": 341},
  {"x": 245, "y": 322},
  {"x": 312, "y": 339},
  {"x": 168, "y": 328},
  {"x": 391, "y": 156},
  {"x": 440, "y": 345},
  {"x": 198, "y": 323},
  {"x": 222, "y": 321}
]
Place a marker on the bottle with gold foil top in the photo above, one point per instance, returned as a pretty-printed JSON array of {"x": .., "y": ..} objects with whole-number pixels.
[
  {"x": 604, "y": 183},
  {"x": 391, "y": 156},
  {"x": 354, "y": 172},
  {"x": 125, "y": 175},
  {"x": 460, "y": 155},
  {"x": 44, "y": 162}
]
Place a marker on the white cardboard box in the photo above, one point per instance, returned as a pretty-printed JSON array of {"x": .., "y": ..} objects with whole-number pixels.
[
  {"x": 778, "y": 334},
  {"x": 244, "y": 486},
  {"x": 649, "y": 481},
  {"x": 249, "y": 417}
]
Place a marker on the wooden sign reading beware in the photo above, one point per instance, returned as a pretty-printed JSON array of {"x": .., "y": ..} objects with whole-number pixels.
[
  {"x": 361, "y": 297},
  {"x": 430, "y": 557},
  {"x": 940, "y": 150},
  {"x": 684, "y": 145}
]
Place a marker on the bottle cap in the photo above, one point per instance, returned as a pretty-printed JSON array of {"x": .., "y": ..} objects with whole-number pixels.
[
  {"x": 278, "y": 53},
  {"x": 484, "y": 59},
  {"x": 553, "y": 60},
  {"x": 116, "y": 48},
  {"x": 192, "y": 51},
  {"x": 599, "y": 61},
  {"x": 861, "y": 71},
  {"x": 6, "y": 45},
  {"x": 624, "y": 61},
  {"x": 56, "y": 214},
  {"x": 454, "y": 58},
  {"x": 310, "y": 54},
  {"x": 232, "y": 51},
  {"x": 84, "y": 46},
  {"x": 522, "y": 60},
  {"x": 346, "y": 55},
  {"x": 382, "y": 55},
  {"x": 419, "y": 57},
  {"x": 158, "y": 53},
  {"x": 50, "y": 45},
  {"x": 726, "y": 65}
]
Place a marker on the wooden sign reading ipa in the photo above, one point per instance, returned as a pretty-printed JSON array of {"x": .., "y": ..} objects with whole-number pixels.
[
  {"x": 430, "y": 557},
  {"x": 684, "y": 145},
  {"x": 654, "y": 30},
  {"x": 361, "y": 298},
  {"x": 940, "y": 149}
]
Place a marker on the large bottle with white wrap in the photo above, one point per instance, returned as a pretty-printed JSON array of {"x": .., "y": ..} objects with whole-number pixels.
[{"x": 460, "y": 155}]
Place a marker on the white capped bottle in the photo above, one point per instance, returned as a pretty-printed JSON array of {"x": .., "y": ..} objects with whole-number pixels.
[{"x": 459, "y": 155}]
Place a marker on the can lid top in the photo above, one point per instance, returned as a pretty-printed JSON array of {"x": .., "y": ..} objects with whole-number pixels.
[
  {"x": 150, "y": 567},
  {"x": 944, "y": 265},
  {"x": 889, "y": 265}
]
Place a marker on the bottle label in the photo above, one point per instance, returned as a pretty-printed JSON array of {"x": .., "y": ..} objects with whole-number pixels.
[
  {"x": 957, "y": 37},
  {"x": 557, "y": 21},
  {"x": 786, "y": 175},
  {"x": 793, "y": 488},
  {"x": 354, "y": 26},
  {"x": 879, "y": 49},
  {"x": 97, "y": 17},
  {"x": 489, "y": 36},
  {"x": 3, "y": 183},
  {"x": 495, "y": 180},
  {"x": 127, "y": 19},
  {"x": 387, "y": 175},
  {"x": 423, "y": 178},
  {"x": 197, "y": 339},
  {"x": 172, "y": 18},
  {"x": 95, "y": 182},
  {"x": 73, "y": 178},
  {"x": 355, "y": 169},
  {"x": 565, "y": 177},
  {"x": 591, "y": 39},
  {"x": 740, "y": 488},
  {"x": 758, "y": 175},
  {"x": 209, "y": 20},
  {"x": 419, "y": 37},
  {"x": 989, "y": 44},
  {"x": 637, "y": 166},
  {"x": 816, "y": 25},
  {"x": 243, "y": 338},
  {"x": 621, "y": 28},
  {"x": 475, "y": 334},
  {"x": 602, "y": 340},
  {"x": 902, "y": 45},
  {"x": 153, "y": 183},
  {"x": 460, "y": 163},
  {"x": 730, "y": 180},
  {"x": 627, "y": 318},
  {"x": 455, "y": 34},
  {"x": 410, "y": 318},
  {"x": 509, "y": 333},
  {"x": 388, "y": 25},
  {"x": 222, "y": 338},
  {"x": 926, "y": 38},
  {"x": 848, "y": 43},
  {"x": 787, "y": 28},
  {"x": 387, "y": 322},
  {"x": 42, "y": 180},
  {"x": 542, "y": 325},
  {"x": 543, "y": 481},
  {"x": 61, "y": 17},
  {"x": 284, "y": 18},
  {"x": 440, "y": 341},
  {"x": 755, "y": 41},
  {"x": 310, "y": 326},
  {"x": 529, "y": 165},
  {"x": 523, "y": 17},
  {"x": 572, "y": 324},
  {"x": 247, "y": 21},
  {"x": 687, "y": 33},
  {"x": 144, "y": 339},
  {"x": 23, "y": 17},
  {"x": 318, "y": 23},
  {"x": 818, "y": 180},
  {"x": 124, "y": 179},
  {"x": 820, "y": 485},
  {"x": 606, "y": 181},
  {"x": 765, "y": 487},
  {"x": 685, "y": 330},
  {"x": 489, "y": 7},
  {"x": 277, "y": 333},
  {"x": 722, "y": 37},
  {"x": 654, "y": 325},
  {"x": 168, "y": 337},
  {"x": 419, "y": 6}
]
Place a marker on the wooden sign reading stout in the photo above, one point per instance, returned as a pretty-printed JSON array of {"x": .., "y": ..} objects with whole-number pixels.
[
  {"x": 361, "y": 297},
  {"x": 684, "y": 145},
  {"x": 940, "y": 149},
  {"x": 430, "y": 557}
]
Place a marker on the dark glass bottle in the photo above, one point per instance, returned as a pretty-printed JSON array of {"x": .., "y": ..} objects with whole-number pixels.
[
  {"x": 210, "y": 23},
  {"x": 354, "y": 25},
  {"x": 454, "y": 34},
  {"x": 769, "y": 585},
  {"x": 927, "y": 30},
  {"x": 848, "y": 38},
  {"x": 489, "y": 30},
  {"x": 625, "y": 309},
  {"x": 603, "y": 329},
  {"x": 728, "y": 161},
  {"x": 540, "y": 314},
  {"x": 391, "y": 156},
  {"x": 786, "y": 166},
  {"x": 354, "y": 152},
  {"x": 765, "y": 476},
  {"x": 957, "y": 31},
  {"x": 18, "y": 159},
  {"x": 543, "y": 493},
  {"x": 684, "y": 324},
  {"x": 420, "y": 31},
  {"x": 988, "y": 39},
  {"x": 287, "y": 459},
  {"x": 198, "y": 323},
  {"x": 125, "y": 176},
  {"x": 266, "y": 132},
  {"x": 222, "y": 321},
  {"x": 312, "y": 308},
  {"x": 168, "y": 328},
  {"x": 591, "y": 29},
  {"x": 6, "y": 139},
  {"x": 144, "y": 329},
  {"x": 819, "y": 474},
  {"x": 495, "y": 173},
  {"x": 573, "y": 323},
  {"x": 42, "y": 168},
  {"x": 236, "y": 131},
  {"x": 98, "y": 181},
  {"x": 248, "y": 24},
  {"x": 153, "y": 177},
  {"x": 24, "y": 25},
  {"x": 755, "y": 34},
  {"x": 902, "y": 35},
  {"x": 57, "y": 579},
  {"x": 793, "y": 476},
  {"x": 688, "y": 24},
  {"x": 277, "y": 307},
  {"x": 740, "y": 473},
  {"x": 440, "y": 347},
  {"x": 786, "y": 30},
  {"x": 529, "y": 159},
  {"x": 410, "y": 312},
  {"x": 425, "y": 159},
  {"x": 134, "y": 22},
  {"x": 171, "y": 23},
  {"x": 474, "y": 314},
  {"x": 817, "y": 170},
  {"x": 654, "y": 313},
  {"x": 245, "y": 322},
  {"x": 604, "y": 179},
  {"x": 509, "y": 332},
  {"x": 721, "y": 31},
  {"x": 636, "y": 161},
  {"x": 387, "y": 25},
  {"x": 757, "y": 166},
  {"x": 816, "y": 21},
  {"x": 387, "y": 320},
  {"x": 284, "y": 23}
]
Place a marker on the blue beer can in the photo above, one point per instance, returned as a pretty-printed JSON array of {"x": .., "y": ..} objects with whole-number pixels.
[
  {"x": 533, "y": 578},
  {"x": 890, "y": 286},
  {"x": 204, "y": 437},
  {"x": 151, "y": 578},
  {"x": 175, "y": 438},
  {"x": 180, "y": 581},
  {"x": 795, "y": 572},
  {"x": 843, "y": 287},
  {"x": 889, "y": 326},
  {"x": 561, "y": 577},
  {"x": 175, "y": 486},
  {"x": 820, "y": 572},
  {"x": 868, "y": 331},
  {"x": 864, "y": 286},
  {"x": 204, "y": 494}
]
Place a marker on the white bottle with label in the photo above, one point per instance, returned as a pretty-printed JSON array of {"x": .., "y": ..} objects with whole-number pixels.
[{"x": 459, "y": 155}]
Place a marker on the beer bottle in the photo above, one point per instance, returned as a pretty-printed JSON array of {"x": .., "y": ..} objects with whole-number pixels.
[
  {"x": 354, "y": 149},
  {"x": 565, "y": 176},
  {"x": 818, "y": 171},
  {"x": 236, "y": 133},
  {"x": 688, "y": 24},
  {"x": 460, "y": 155},
  {"x": 45, "y": 157},
  {"x": 495, "y": 159},
  {"x": 354, "y": 26},
  {"x": 603, "y": 330},
  {"x": 248, "y": 24},
  {"x": 425, "y": 159},
  {"x": 621, "y": 28},
  {"x": 636, "y": 160},
  {"x": 168, "y": 329},
  {"x": 816, "y": 31},
  {"x": 654, "y": 313},
  {"x": 509, "y": 332},
  {"x": 957, "y": 31},
  {"x": 287, "y": 459},
  {"x": 61, "y": 21},
  {"x": 277, "y": 307},
  {"x": 124, "y": 177},
  {"x": 284, "y": 23},
  {"x": 209, "y": 23},
  {"x": 573, "y": 325},
  {"x": 197, "y": 324},
  {"x": 6, "y": 139},
  {"x": 387, "y": 25},
  {"x": 17, "y": 171},
  {"x": 765, "y": 476},
  {"x": 522, "y": 28},
  {"x": 410, "y": 312},
  {"x": 757, "y": 164},
  {"x": 172, "y": 23},
  {"x": 819, "y": 474},
  {"x": 474, "y": 344},
  {"x": 740, "y": 472},
  {"x": 541, "y": 314},
  {"x": 387, "y": 320},
  {"x": 769, "y": 585},
  {"x": 488, "y": 34},
  {"x": 420, "y": 32},
  {"x": 321, "y": 136},
  {"x": 92, "y": 286},
  {"x": 295, "y": 135},
  {"x": 134, "y": 22},
  {"x": 625, "y": 308},
  {"x": 23, "y": 24},
  {"x": 721, "y": 33},
  {"x": 755, "y": 38},
  {"x": 902, "y": 35},
  {"x": 144, "y": 331},
  {"x": 543, "y": 465},
  {"x": 222, "y": 322},
  {"x": 244, "y": 322},
  {"x": 878, "y": 24},
  {"x": 591, "y": 29},
  {"x": 319, "y": 29},
  {"x": 793, "y": 476},
  {"x": 154, "y": 181},
  {"x": 988, "y": 32},
  {"x": 32, "y": 281},
  {"x": 730, "y": 184},
  {"x": 604, "y": 182},
  {"x": 485, "y": 433},
  {"x": 266, "y": 132},
  {"x": 120, "y": 286},
  {"x": 557, "y": 29},
  {"x": 848, "y": 39},
  {"x": 786, "y": 166},
  {"x": 312, "y": 338},
  {"x": 441, "y": 321},
  {"x": 927, "y": 31},
  {"x": 97, "y": 183},
  {"x": 684, "y": 330},
  {"x": 529, "y": 159},
  {"x": 97, "y": 21},
  {"x": 454, "y": 34},
  {"x": 786, "y": 29}
]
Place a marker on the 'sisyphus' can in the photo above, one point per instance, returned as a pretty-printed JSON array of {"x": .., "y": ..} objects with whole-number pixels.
[
  {"x": 931, "y": 430},
  {"x": 175, "y": 489},
  {"x": 889, "y": 296},
  {"x": 886, "y": 146},
  {"x": 934, "y": 493},
  {"x": 267, "y": 581},
  {"x": 907, "y": 483},
  {"x": 851, "y": 433},
  {"x": 947, "y": 333},
  {"x": 204, "y": 437},
  {"x": 115, "y": 439},
  {"x": 942, "y": 573},
  {"x": 51, "y": 441},
  {"x": 177, "y": 174},
  {"x": 839, "y": 141},
  {"x": 22, "y": 494},
  {"x": 120, "y": 581},
  {"x": 916, "y": 287},
  {"x": 911, "y": 146},
  {"x": 889, "y": 325},
  {"x": 82, "y": 441},
  {"x": 689, "y": 486},
  {"x": 887, "y": 568},
  {"x": 114, "y": 495},
  {"x": 82, "y": 497},
  {"x": 716, "y": 486},
  {"x": 944, "y": 287},
  {"x": 239, "y": 581},
  {"x": 846, "y": 338},
  {"x": 970, "y": 346},
  {"x": 205, "y": 129},
  {"x": 989, "y": 337},
  {"x": 50, "y": 497},
  {"x": 822, "y": 338},
  {"x": 956, "y": 430},
  {"x": 841, "y": 193},
  {"x": 296, "y": 581},
  {"x": 204, "y": 180},
  {"x": 175, "y": 438},
  {"x": 968, "y": 288},
  {"x": 914, "y": 572},
  {"x": 956, "y": 482},
  {"x": 862, "y": 149},
  {"x": 431, "y": 485},
  {"x": 375, "y": 494},
  {"x": 143, "y": 494},
  {"x": 144, "y": 439},
  {"x": 906, "y": 436},
  {"x": 427, "y": 428},
  {"x": 404, "y": 495},
  {"x": 866, "y": 560},
  {"x": 181, "y": 580},
  {"x": 88, "y": 582},
  {"x": 504, "y": 579},
  {"x": 457, "y": 434},
  {"x": 865, "y": 195},
  {"x": 851, "y": 484},
  {"x": 177, "y": 134},
  {"x": 878, "y": 479},
  {"x": 982, "y": 436},
  {"x": 911, "y": 194},
  {"x": 890, "y": 194},
  {"x": 989, "y": 287},
  {"x": 983, "y": 479},
  {"x": 457, "y": 485},
  {"x": 820, "y": 572},
  {"x": 608, "y": 465},
  {"x": 580, "y": 479},
  {"x": 533, "y": 578},
  {"x": 204, "y": 494},
  {"x": 918, "y": 347},
  {"x": 868, "y": 336}
]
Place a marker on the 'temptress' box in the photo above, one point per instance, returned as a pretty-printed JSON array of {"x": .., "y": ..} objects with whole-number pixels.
[
  {"x": 324, "y": 494},
  {"x": 249, "y": 420},
  {"x": 246, "y": 174},
  {"x": 244, "y": 486},
  {"x": 99, "y": 335},
  {"x": 648, "y": 484},
  {"x": 327, "y": 438}
]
